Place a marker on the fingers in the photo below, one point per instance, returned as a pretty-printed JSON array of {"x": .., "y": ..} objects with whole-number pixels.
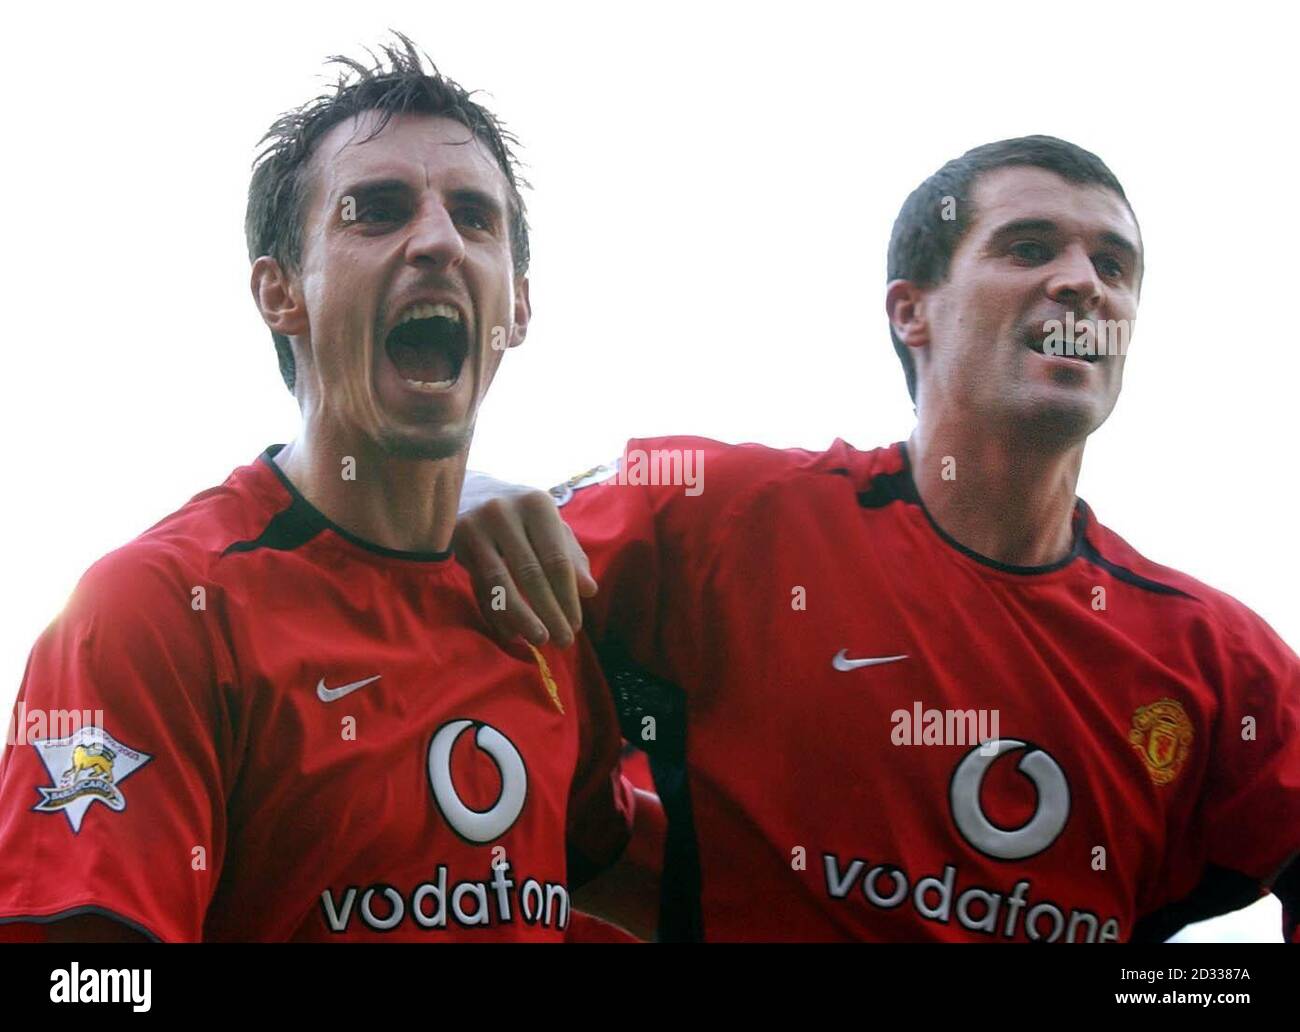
[
  {"x": 506, "y": 610},
  {"x": 561, "y": 558},
  {"x": 587, "y": 586},
  {"x": 532, "y": 567},
  {"x": 548, "y": 574},
  {"x": 530, "y": 573}
]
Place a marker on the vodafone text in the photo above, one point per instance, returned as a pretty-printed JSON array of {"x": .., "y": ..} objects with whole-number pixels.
[
  {"x": 976, "y": 909},
  {"x": 468, "y": 904}
]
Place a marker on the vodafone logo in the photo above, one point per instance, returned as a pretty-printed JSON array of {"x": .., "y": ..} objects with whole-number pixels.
[
  {"x": 1051, "y": 811},
  {"x": 957, "y": 903},
  {"x": 477, "y": 826}
]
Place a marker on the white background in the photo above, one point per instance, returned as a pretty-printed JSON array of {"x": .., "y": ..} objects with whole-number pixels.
[{"x": 714, "y": 189}]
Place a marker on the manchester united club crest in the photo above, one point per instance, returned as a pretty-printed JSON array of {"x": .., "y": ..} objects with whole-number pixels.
[{"x": 1162, "y": 736}]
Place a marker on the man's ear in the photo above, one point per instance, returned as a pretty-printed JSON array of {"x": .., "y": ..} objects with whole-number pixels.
[
  {"x": 905, "y": 306},
  {"x": 523, "y": 313},
  {"x": 277, "y": 298}
]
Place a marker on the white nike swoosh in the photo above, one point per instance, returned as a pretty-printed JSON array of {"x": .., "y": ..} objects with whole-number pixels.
[
  {"x": 842, "y": 662},
  {"x": 334, "y": 694}
]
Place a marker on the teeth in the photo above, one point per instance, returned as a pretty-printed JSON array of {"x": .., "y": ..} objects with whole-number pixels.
[
  {"x": 426, "y": 311},
  {"x": 425, "y": 385}
]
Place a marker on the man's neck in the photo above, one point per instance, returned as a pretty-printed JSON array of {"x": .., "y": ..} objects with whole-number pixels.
[
  {"x": 399, "y": 503},
  {"x": 1005, "y": 495}
]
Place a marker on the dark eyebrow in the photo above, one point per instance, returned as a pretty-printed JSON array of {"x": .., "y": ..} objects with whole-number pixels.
[
  {"x": 1121, "y": 243},
  {"x": 1024, "y": 226},
  {"x": 1047, "y": 226},
  {"x": 374, "y": 188},
  {"x": 369, "y": 189},
  {"x": 471, "y": 195}
]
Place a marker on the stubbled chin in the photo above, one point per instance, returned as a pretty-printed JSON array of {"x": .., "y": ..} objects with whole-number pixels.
[
  {"x": 1061, "y": 413},
  {"x": 443, "y": 443}
]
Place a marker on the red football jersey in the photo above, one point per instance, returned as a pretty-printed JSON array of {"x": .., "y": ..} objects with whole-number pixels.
[
  {"x": 248, "y": 724},
  {"x": 861, "y": 729}
]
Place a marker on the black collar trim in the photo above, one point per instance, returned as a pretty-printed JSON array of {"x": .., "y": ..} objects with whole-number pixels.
[
  {"x": 302, "y": 521},
  {"x": 1128, "y": 576},
  {"x": 901, "y": 486}
]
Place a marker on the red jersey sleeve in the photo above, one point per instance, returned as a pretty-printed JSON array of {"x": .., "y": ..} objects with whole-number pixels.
[
  {"x": 1250, "y": 817},
  {"x": 617, "y": 530},
  {"x": 113, "y": 786},
  {"x": 602, "y": 801},
  {"x": 648, "y": 522}
]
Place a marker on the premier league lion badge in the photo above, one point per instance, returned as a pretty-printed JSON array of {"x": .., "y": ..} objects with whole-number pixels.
[{"x": 86, "y": 766}]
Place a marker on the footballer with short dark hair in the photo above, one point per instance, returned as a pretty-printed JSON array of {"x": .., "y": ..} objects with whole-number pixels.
[
  {"x": 308, "y": 732},
  {"x": 922, "y": 692}
]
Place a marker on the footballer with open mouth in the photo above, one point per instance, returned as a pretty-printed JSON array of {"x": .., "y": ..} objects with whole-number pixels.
[{"x": 411, "y": 291}]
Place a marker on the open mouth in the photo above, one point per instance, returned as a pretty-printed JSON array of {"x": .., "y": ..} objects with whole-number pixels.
[
  {"x": 1048, "y": 345},
  {"x": 428, "y": 346}
]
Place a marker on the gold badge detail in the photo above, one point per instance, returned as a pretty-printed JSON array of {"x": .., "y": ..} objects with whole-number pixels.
[
  {"x": 552, "y": 689},
  {"x": 1162, "y": 736},
  {"x": 563, "y": 493}
]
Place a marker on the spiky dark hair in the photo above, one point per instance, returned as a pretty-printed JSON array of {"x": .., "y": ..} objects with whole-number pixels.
[{"x": 400, "y": 81}]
